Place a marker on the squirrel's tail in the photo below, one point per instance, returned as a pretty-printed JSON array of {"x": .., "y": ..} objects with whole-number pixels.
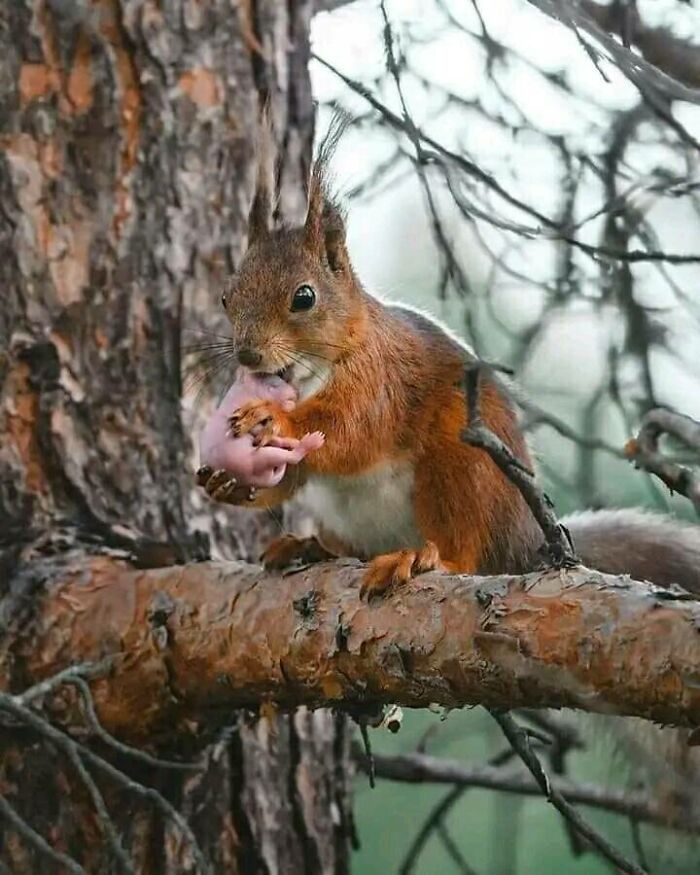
[
  {"x": 647, "y": 546},
  {"x": 665, "y": 551}
]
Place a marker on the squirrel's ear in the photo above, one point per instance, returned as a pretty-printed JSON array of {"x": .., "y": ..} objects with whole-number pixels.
[
  {"x": 262, "y": 208},
  {"x": 324, "y": 229}
]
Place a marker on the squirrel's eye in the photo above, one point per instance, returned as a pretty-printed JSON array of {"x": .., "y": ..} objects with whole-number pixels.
[{"x": 304, "y": 299}]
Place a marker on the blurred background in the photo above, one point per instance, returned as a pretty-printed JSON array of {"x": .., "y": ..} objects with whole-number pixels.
[{"x": 496, "y": 159}]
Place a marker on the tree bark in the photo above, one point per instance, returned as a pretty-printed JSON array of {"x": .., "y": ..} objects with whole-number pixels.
[
  {"x": 192, "y": 643},
  {"x": 126, "y": 169}
]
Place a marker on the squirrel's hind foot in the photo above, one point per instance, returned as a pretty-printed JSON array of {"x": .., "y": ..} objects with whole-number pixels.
[
  {"x": 397, "y": 568},
  {"x": 284, "y": 551}
]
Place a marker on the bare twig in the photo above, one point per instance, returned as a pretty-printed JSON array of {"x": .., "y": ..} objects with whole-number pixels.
[
  {"x": 422, "y": 768},
  {"x": 453, "y": 850},
  {"x": 537, "y": 416},
  {"x": 645, "y": 453},
  {"x": 438, "y": 814},
  {"x": 76, "y": 752},
  {"x": 77, "y": 675},
  {"x": 125, "y": 749},
  {"x": 639, "y": 71},
  {"x": 477, "y": 434},
  {"x": 36, "y": 841},
  {"x": 521, "y": 744},
  {"x": 85, "y": 670}
]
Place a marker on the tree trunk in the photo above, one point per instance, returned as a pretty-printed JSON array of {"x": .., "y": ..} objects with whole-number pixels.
[{"x": 126, "y": 168}]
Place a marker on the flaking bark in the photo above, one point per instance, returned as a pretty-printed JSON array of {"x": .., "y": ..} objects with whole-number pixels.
[{"x": 194, "y": 642}]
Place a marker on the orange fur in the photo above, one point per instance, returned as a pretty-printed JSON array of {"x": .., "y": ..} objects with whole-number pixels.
[
  {"x": 389, "y": 392},
  {"x": 287, "y": 549}
]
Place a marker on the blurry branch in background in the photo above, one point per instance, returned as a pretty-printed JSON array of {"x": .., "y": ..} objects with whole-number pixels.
[
  {"x": 520, "y": 742},
  {"x": 668, "y": 64},
  {"x": 645, "y": 452},
  {"x": 414, "y": 768},
  {"x": 557, "y": 741},
  {"x": 595, "y": 249}
]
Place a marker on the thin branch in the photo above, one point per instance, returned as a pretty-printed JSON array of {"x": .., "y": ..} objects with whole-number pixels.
[
  {"x": 453, "y": 851},
  {"x": 36, "y": 841},
  {"x": 425, "y": 769},
  {"x": 645, "y": 453},
  {"x": 17, "y": 707},
  {"x": 678, "y": 58},
  {"x": 85, "y": 670},
  {"x": 76, "y": 752},
  {"x": 477, "y": 434},
  {"x": 639, "y": 71},
  {"x": 438, "y": 813},
  {"x": 125, "y": 749},
  {"x": 521, "y": 744},
  {"x": 78, "y": 675}
]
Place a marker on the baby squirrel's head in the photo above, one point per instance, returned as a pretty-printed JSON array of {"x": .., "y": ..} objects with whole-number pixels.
[{"x": 295, "y": 305}]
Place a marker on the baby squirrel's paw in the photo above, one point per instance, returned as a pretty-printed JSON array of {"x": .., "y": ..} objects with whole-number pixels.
[{"x": 258, "y": 418}]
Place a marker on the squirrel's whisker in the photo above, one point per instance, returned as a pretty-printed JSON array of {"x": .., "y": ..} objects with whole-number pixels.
[{"x": 207, "y": 333}]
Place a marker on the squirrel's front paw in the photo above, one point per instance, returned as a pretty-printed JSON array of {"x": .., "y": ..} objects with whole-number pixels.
[
  {"x": 222, "y": 486},
  {"x": 257, "y": 418}
]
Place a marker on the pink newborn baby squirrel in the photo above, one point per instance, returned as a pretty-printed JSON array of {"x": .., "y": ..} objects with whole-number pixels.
[{"x": 259, "y": 467}]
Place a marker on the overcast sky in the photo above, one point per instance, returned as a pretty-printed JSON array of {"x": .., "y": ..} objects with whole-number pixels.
[{"x": 389, "y": 236}]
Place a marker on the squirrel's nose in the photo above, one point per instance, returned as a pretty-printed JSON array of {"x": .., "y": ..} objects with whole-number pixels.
[{"x": 249, "y": 357}]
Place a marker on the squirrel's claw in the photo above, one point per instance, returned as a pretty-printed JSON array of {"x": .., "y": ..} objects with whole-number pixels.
[
  {"x": 222, "y": 486},
  {"x": 258, "y": 418},
  {"x": 396, "y": 568}
]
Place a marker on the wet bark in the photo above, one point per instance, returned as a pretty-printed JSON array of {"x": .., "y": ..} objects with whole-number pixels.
[{"x": 126, "y": 169}]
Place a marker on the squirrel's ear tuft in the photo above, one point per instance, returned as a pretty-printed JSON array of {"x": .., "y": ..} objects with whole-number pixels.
[
  {"x": 324, "y": 228},
  {"x": 264, "y": 199}
]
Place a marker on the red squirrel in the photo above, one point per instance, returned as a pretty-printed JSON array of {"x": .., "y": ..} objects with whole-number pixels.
[{"x": 393, "y": 483}]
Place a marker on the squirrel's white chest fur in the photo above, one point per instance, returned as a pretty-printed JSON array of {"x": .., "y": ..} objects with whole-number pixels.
[{"x": 371, "y": 513}]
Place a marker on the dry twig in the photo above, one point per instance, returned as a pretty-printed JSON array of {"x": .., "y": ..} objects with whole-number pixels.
[{"x": 644, "y": 451}]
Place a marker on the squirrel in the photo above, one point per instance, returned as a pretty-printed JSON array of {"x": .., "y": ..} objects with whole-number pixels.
[{"x": 393, "y": 484}]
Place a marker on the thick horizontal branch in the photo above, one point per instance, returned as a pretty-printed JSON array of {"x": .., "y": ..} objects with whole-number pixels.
[{"x": 190, "y": 643}]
